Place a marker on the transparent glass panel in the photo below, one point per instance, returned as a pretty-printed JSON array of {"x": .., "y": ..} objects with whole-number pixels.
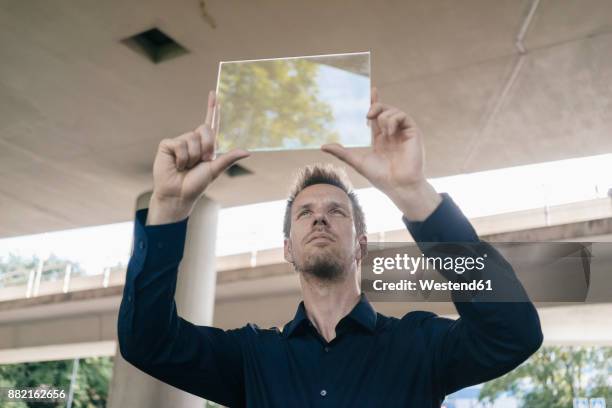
[{"x": 294, "y": 103}]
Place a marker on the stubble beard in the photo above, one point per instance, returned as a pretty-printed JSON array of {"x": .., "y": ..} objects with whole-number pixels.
[{"x": 326, "y": 267}]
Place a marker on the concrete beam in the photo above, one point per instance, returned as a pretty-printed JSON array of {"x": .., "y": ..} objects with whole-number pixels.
[{"x": 584, "y": 230}]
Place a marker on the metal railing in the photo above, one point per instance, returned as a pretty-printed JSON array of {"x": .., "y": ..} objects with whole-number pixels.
[{"x": 51, "y": 277}]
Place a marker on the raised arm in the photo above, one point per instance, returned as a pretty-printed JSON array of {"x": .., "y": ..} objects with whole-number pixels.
[
  {"x": 489, "y": 338},
  {"x": 205, "y": 361},
  {"x": 202, "y": 360},
  {"x": 493, "y": 335}
]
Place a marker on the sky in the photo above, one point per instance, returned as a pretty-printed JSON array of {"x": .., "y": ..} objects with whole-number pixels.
[{"x": 348, "y": 95}]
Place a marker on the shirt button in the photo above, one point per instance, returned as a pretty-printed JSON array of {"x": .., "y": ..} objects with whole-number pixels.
[
  {"x": 129, "y": 298},
  {"x": 323, "y": 393},
  {"x": 326, "y": 349},
  {"x": 160, "y": 245},
  {"x": 141, "y": 245}
]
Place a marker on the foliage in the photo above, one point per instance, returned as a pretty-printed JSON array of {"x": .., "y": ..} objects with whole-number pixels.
[
  {"x": 91, "y": 388},
  {"x": 553, "y": 376},
  {"x": 14, "y": 262},
  {"x": 273, "y": 104}
]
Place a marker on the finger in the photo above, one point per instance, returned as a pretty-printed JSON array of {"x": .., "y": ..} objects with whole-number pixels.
[
  {"x": 376, "y": 109},
  {"x": 179, "y": 148},
  {"x": 194, "y": 149},
  {"x": 224, "y": 161},
  {"x": 207, "y": 144},
  {"x": 166, "y": 147},
  {"x": 383, "y": 120},
  {"x": 398, "y": 121},
  {"x": 375, "y": 101},
  {"x": 404, "y": 121},
  {"x": 373, "y": 95},
  {"x": 210, "y": 110},
  {"x": 343, "y": 154}
]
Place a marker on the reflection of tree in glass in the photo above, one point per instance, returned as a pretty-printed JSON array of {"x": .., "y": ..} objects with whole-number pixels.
[
  {"x": 553, "y": 376},
  {"x": 273, "y": 104}
]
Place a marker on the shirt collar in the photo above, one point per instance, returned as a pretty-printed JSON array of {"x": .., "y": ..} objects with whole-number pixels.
[{"x": 363, "y": 314}]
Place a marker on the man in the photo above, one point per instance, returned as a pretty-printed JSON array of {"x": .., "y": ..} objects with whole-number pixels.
[{"x": 337, "y": 351}]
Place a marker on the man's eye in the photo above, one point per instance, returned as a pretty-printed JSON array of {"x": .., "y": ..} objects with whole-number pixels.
[
  {"x": 337, "y": 211},
  {"x": 303, "y": 213}
]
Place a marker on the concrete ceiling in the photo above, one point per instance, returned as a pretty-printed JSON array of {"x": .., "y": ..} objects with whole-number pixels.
[{"x": 81, "y": 114}]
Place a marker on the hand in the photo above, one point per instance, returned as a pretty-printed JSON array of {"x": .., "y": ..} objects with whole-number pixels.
[
  {"x": 395, "y": 162},
  {"x": 395, "y": 159},
  {"x": 185, "y": 166}
]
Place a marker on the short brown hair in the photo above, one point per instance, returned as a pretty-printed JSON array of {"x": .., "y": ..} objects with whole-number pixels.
[{"x": 324, "y": 174}]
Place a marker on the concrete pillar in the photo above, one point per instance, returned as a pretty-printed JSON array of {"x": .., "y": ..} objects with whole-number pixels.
[{"x": 195, "y": 297}]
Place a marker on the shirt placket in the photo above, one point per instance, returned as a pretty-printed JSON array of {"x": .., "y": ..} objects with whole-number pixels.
[{"x": 324, "y": 396}]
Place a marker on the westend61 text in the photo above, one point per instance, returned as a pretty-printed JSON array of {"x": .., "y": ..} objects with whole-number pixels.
[{"x": 429, "y": 285}]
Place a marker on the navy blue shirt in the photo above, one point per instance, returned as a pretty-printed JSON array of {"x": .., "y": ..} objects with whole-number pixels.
[{"x": 374, "y": 360}]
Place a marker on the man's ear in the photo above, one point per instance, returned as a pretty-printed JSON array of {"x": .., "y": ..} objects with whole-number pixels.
[
  {"x": 363, "y": 246},
  {"x": 287, "y": 251}
]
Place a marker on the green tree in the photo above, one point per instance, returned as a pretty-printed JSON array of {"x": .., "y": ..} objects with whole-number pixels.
[
  {"x": 91, "y": 388},
  {"x": 274, "y": 104},
  {"x": 553, "y": 376},
  {"x": 12, "y": 263}
]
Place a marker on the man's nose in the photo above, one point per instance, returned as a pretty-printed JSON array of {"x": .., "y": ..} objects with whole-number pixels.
[{"x": 320, "y": 219}]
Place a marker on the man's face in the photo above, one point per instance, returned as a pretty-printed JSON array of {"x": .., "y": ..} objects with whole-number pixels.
[{"x": 322, "y": 241}]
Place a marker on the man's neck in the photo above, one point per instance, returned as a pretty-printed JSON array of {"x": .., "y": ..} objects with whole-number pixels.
[{"x": 327, "y": 303}]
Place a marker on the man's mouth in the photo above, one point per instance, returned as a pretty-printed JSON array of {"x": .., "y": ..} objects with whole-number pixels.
[{"x": 320, "y": 237}]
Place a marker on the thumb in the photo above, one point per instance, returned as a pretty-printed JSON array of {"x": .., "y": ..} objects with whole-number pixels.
[
  {"x": 224, "y": 161},
  {"x": 342, "y": 153}
]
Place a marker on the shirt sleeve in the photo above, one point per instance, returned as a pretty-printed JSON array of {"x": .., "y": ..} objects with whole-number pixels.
[
  {"x": 490, "y": 337},
  {"x": 202, "y": 360}
]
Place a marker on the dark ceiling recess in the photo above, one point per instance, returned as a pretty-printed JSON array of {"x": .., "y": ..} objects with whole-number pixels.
[
  {"x": 155, "y": 45},
  {"x": 237, "y": 170}
]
